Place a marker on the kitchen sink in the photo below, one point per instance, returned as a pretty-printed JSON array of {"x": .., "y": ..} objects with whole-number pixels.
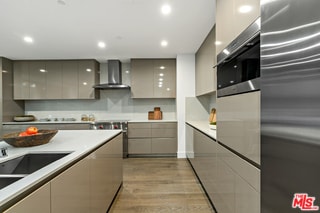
[
  {"x": 29, "y": 163},
  {"x": 17, "y": 168}
]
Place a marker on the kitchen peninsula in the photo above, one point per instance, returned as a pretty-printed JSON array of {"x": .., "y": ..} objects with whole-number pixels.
[{"x": 86, "y": 180}]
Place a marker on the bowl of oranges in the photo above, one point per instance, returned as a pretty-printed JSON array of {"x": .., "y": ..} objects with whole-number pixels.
[{"x": 32, "y": 136}]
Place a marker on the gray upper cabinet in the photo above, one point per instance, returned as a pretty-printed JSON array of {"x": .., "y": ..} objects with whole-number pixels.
[
  {"x": 70, "y": 79},
  {"x": 153, "y": 78},
  {"x": 232, "y": 17},
  {"x": 65, "y": 79},
  {"x": 21, "y": 80},
  {"x": 206, "y": 77},
  {"x": 54, "y": 76}
]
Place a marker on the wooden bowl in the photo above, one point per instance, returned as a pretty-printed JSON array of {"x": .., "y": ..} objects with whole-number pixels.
[{"x": 43, "y": 137}]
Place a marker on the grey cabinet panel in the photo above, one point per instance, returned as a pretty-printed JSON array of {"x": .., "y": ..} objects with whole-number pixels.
[
  {"x": 206, "y": 79},
  {"x": 153, "y": 78},
  {"x": 86, "y": 78},
  {"x": 141, "y": 78},
  {"x": 139, "y": 146},
  {"x": 37, "y": 201},
  {"x": 167, "y": 133},
  {"x": 139, "y": 126},
  {"x": 21, "y": 80},
  {"x": 139, "y": 133},
  {"x": 70, "y": 79},
  {"x": 152, "y": 138},
  {"x": 37, "y": 80},
  {"x": 164, "y": 145},
  {"x": 54, "y": 79}
]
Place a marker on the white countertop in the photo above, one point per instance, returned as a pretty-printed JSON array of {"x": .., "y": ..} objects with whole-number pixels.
[
  {"x": 203, "y": 126},
  {"x": 142, "y": 121},
  {"x": 79, "y": 142}
]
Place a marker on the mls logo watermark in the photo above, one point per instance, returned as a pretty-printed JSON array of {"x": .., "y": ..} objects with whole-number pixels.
[{"x": 304, "y": 202}]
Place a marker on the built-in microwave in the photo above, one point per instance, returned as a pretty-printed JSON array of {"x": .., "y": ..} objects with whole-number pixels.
[{"x": 238, "y": 67}]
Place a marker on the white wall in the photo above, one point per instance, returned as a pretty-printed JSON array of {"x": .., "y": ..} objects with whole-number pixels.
[{"x": 185, "y": 88}]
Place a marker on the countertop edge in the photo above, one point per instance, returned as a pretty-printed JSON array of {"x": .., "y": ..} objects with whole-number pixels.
[
  {"x": 77, "y": 153},
  {"x": 203, "y": 127}
]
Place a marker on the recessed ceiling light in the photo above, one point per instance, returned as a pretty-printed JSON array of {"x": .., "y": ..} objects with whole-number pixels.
[
  {"x": 166, "y": 9},
  {"x": 42, "y": 70},
  {"x": 162, "y": 67},
  {"x": 88, "y": 70},
  {"x": 101, "y": 44},
  {"x": 245, "y": 8},
  {"x": 28, "y": 39},
  {"x": 164, "y": 43},
  {"x": 218, "y": 43}
]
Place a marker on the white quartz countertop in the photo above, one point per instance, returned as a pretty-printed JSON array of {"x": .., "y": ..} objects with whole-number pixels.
[
  {"x": 204, "y": 127},
  {"x": 79, "y": 142}
]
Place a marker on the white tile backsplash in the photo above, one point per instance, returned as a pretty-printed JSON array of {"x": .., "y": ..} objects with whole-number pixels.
[{"x": 113, "y": 104}]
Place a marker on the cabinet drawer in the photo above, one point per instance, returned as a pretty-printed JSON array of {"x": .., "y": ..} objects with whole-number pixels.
[
  {"x": 164, "y": 133},
  {"x": 139, "y": 126},
  {"x": 164, "y": 125},
  {"x": 139, "y": 133},
  {"x": 164, "y": 145},
  {"x": 139, "y": 146}
]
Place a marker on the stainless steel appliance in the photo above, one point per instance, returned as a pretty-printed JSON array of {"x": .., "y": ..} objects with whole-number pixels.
[
  {"x": 290, "y": 106},
  {"x": 238, "y": 65},
  {"x": 123, "y": 125}
]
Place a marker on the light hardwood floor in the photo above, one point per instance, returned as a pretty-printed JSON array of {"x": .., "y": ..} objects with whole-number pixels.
[{"x": 160, "y": 185}]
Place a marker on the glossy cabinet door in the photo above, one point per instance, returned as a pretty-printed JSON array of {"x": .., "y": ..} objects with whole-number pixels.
[
  {"x": 153, "y": 78},
  {"x": 239, "y": 124},
  {"x": 238, "y": 184},
  {"x": 206, "y": 79},
  {"x": 152, "y": 138},
  {"x": 233, "y": 17},
  {"x": 21, "y": 80},
  {"x": 70, "y": 191},
  {"x": 164, "y": 78},
  {"x": 106, "y": 174},
  {"x": 87, "y": 79},
  {"x": 37, "y": 201},
  {"x": 54, "y": 79},
  {"x": 142, "y": 78},
  {"x": 70, "y": 79},
  {"x": 37, "y": 80}
]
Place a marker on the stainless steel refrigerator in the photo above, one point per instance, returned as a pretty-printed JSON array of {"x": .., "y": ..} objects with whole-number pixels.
[{"x": 290, "y": 106}]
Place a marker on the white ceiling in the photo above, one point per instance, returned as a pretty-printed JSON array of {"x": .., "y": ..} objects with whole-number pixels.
[{"x": 130, "y": 28}]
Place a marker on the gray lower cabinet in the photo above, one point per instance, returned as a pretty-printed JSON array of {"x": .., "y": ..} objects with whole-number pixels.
[
  {"x": 37, "y": 201},
  {"x": 232, "y": 184},
  {"x": 88, "y": 186},
  {"x": 152, "y": 138}
]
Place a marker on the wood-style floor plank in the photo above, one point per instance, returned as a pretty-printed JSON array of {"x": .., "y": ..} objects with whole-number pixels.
[{"x": 161, "y": 185}]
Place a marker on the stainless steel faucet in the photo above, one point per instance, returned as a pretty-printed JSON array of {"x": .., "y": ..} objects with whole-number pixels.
[{"x": 3, "y": 152}]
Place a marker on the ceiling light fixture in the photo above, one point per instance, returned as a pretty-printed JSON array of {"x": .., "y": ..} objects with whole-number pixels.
[
  {"x": 166, "y": 9},
  {"x": 28, "y": 39},
  {"x": 101, "y": 44},
  {"x": 217, "y": 43},
  {"x": 162, "y": 67},
  {"x": 164, "y": 43},
  {"x": 88, "y": 70}
]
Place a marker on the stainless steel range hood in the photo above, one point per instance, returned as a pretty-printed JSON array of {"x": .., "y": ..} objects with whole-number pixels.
[{"x": 114, "y": 77}]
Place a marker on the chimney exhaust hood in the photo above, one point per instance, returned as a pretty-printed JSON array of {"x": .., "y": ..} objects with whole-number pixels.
[{"x": 114, "y": 77}]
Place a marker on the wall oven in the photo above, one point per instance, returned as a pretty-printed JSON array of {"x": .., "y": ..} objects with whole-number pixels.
[{"x": 238, "y": 65}]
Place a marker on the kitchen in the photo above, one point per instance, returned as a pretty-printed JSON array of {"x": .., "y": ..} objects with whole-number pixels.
[{"x": 234, "y": 175}]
